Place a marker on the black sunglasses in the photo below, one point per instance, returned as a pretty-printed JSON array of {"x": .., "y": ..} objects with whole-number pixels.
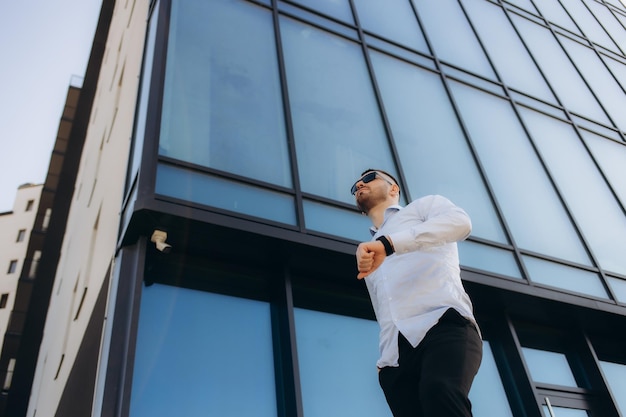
[{"x": 369, "y": 177}]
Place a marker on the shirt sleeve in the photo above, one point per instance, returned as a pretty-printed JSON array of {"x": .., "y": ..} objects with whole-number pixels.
[{"x": 439, "y": 222}]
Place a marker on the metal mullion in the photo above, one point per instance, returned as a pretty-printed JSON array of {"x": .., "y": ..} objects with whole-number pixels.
[
  {"x": 287, "y": 371},
  {"x": 291, "y": 145},
  {"x": 379, "y": 100},
  {"x": 474, "y": 152}
]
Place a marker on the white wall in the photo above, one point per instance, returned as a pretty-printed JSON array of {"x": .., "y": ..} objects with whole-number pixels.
[{"x": 89, "y": 243}]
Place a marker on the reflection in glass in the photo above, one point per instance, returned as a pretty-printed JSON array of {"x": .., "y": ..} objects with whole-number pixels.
[
  {"x": 438, "y": 17},
  {"x": 222, "y": 105},
  {"x": 506, "y": 50},
  {"x": 337, "y": 123},
  {"x": 432, "y": 148},
  {"x": 337, "y": 360},
  {"x": 209, "y": 190},
  {"x": 549, "y": 367},
  {"x": 201, "y": 354},
  {"x": 566, "y": 277},
  {"x": 585, "y": 191},
  {"x": 487, "y": 394},
  {"x": 488, "y": 258},
  {"x": 531, "y": 207},
  {"x": 615, "y": 375},
  {"x": 393, "y": 20},
  {"x": 567, "y": 83}
]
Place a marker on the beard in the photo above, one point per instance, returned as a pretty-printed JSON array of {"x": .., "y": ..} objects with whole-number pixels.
[{"x": 367, "y": 200}]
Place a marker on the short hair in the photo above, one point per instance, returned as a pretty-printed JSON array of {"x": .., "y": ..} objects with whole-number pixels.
[{"x": 386, "y": 173}]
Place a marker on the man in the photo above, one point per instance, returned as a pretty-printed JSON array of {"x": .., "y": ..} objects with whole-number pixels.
[{"x": 430, "y": 346}]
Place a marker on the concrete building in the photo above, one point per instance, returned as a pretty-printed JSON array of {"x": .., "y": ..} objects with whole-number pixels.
[
  {"x": 207, "y": 265},
  {"x": 15, "y": 231}
]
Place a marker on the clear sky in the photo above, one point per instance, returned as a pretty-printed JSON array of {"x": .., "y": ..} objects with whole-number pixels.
[{"x": 43, "y": 43}]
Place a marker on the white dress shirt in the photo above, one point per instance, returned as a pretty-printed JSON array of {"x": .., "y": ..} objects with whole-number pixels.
[{"x": 415, "y": 285}]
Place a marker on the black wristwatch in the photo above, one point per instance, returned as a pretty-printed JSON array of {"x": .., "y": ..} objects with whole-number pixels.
[{"x": 387, "y": 244}]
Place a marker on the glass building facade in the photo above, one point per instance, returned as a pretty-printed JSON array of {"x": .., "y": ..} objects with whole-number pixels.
[{"x": 255, "y": 117}]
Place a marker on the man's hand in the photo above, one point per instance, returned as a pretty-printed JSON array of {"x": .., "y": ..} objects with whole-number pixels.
[{"x": 369, "y": 256}]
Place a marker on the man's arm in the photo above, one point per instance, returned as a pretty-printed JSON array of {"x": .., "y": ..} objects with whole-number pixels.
[
  {"x": 443, "y": 223},
  {"x": 369, "y": 256}
]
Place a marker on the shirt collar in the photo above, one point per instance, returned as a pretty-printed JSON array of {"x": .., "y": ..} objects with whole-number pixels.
[{"x": 389, "y": 211}]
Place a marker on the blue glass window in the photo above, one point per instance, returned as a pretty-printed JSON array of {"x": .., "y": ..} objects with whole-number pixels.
[
  {"x": 438, "y": 17},
  {"x": 590, "y": 26},
  {"x": 586, "y": 193},
  {"x": 392, "y": 19},
  {"x": 549, "y": 367},
  {"x": 336, "y": 121},
  {"x": 488, "y": 258},
  {"x": 615, "y": 375},
  {"x": 202, "y": 354},
  {"x": 553, "y": 11},
  {"x": 611, "y": 156},
  {"x": 222, "y": 105},
  {"x": 336, "y": 221},
  {"x": 337, "y": 359},
  {"x": 566, "y": 277},
  {"x": 432, "y": 148},
  {"x": 339, "y": 9},
  {"x": 567, "y": 83},
  {"x": 600, "y": 80},
  {"x": 532, "y": 209},
  {"x": 506, "y": 50},
  {"x": 214, "y": 191},
  {"x": 487, "y": 394}
]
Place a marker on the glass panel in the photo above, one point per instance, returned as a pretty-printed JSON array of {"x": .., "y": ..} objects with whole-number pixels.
[
  {"x": 619, "y": 289},
  {"x": 487, "y": 394},
  {"x": 347, "y": 347},
  {"x": 226, "y": 194},
  {"x": 193, "y": 357},
  {"x": 564, "y": 412},
  {"x": 589, "y": 25},
  {"x": 336, "y": 221},
  {"x": 392, "y": 19},
  {"x": 553, "y": 11},
  {"x": 618, "y": 68},
  {"x": 339, "y": 9},
  {"x": 611, "y": 156},
  {"x": 222, "y": 105},
  {"x": 609, "y": 22},
  {"x": 596, "y": 211},
  {"x": 337, "y": 123},
  {"x": 566, "y": 277},
  {"x": 488, "y": 258},
  {"x": 530, "y": 205},
  {"x": 431, "y": 145},
  {"x": 549, "y": 367},
  {"x": 615, "y": 374},
  {"x": 524, "y": 4},
  {"x": 599, "y": 79},
  {"x": 506, "y": 51},
  {"x": 438, "y": 17},
  {"x": 558, "y": 69}
]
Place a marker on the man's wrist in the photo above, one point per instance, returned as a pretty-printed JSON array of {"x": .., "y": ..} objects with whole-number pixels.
[{"x": 389, "y": 249}]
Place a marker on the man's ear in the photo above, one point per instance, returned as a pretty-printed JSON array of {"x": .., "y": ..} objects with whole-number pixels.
[{"x": 395, "y": 190}]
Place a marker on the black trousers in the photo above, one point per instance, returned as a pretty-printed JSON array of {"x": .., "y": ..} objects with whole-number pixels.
[{"x": 434, "y": 378}]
